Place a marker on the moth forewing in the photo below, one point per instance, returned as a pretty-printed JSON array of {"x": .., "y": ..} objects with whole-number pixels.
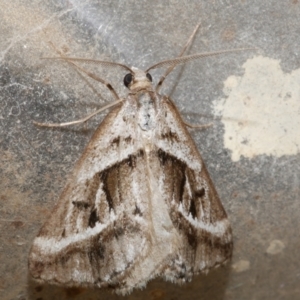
[{"x": 139, "y": 204}]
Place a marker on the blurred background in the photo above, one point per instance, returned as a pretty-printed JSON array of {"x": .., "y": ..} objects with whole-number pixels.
[{"x": 251, "y": 151}]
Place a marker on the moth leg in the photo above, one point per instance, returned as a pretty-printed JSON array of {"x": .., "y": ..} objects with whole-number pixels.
[
  {"x": 95, "y": 77},
  {"x": 76, "y": 69},
  {"x": 90, "y": 74},
  {"x": 170, "y": 69},
  {"x": 198, "y": 126},
  {"x": 80, "y": 120}
]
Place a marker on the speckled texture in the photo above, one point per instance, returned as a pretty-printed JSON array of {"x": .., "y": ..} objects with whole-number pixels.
[{"x": 261, "y": 194}]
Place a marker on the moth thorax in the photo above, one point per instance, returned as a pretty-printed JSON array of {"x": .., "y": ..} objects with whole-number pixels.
[{"x": 146, "y": 111}]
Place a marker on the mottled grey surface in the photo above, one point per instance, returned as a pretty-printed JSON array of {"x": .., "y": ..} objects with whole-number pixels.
[{"x": 261, "y": 195}]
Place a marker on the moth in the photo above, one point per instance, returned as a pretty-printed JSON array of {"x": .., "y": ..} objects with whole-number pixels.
[{"x": 140, "y": 202}]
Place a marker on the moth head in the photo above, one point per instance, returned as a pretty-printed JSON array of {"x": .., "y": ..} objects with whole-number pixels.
[{"x": 137, "y": 80}]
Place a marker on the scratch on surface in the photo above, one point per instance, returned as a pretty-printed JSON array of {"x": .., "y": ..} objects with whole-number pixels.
[{"x": 18, "y": 38}]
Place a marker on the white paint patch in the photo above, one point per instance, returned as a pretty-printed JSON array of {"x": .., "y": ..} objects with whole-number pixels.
[
  {"x": 275, "y": 247},
  {"x": 261, "y": 113},
  {"x": 241, "y": 266}
]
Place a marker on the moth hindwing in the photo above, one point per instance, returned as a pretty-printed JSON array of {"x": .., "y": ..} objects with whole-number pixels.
[{"x": 139, "y": 204}]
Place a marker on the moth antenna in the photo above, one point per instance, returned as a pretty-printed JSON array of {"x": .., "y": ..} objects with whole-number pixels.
[
  {"x": 92, "y": 61},
  {"x": 170, "y": 69},
  {"x": 180, "y": 60}
]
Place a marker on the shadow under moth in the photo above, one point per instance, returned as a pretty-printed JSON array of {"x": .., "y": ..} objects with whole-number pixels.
[{"x": 140, "y": 202}]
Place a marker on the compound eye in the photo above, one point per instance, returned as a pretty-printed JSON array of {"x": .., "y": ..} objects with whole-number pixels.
[
  {"x": 128, "y": 79},
  {"x": 149, "y": 76}
]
